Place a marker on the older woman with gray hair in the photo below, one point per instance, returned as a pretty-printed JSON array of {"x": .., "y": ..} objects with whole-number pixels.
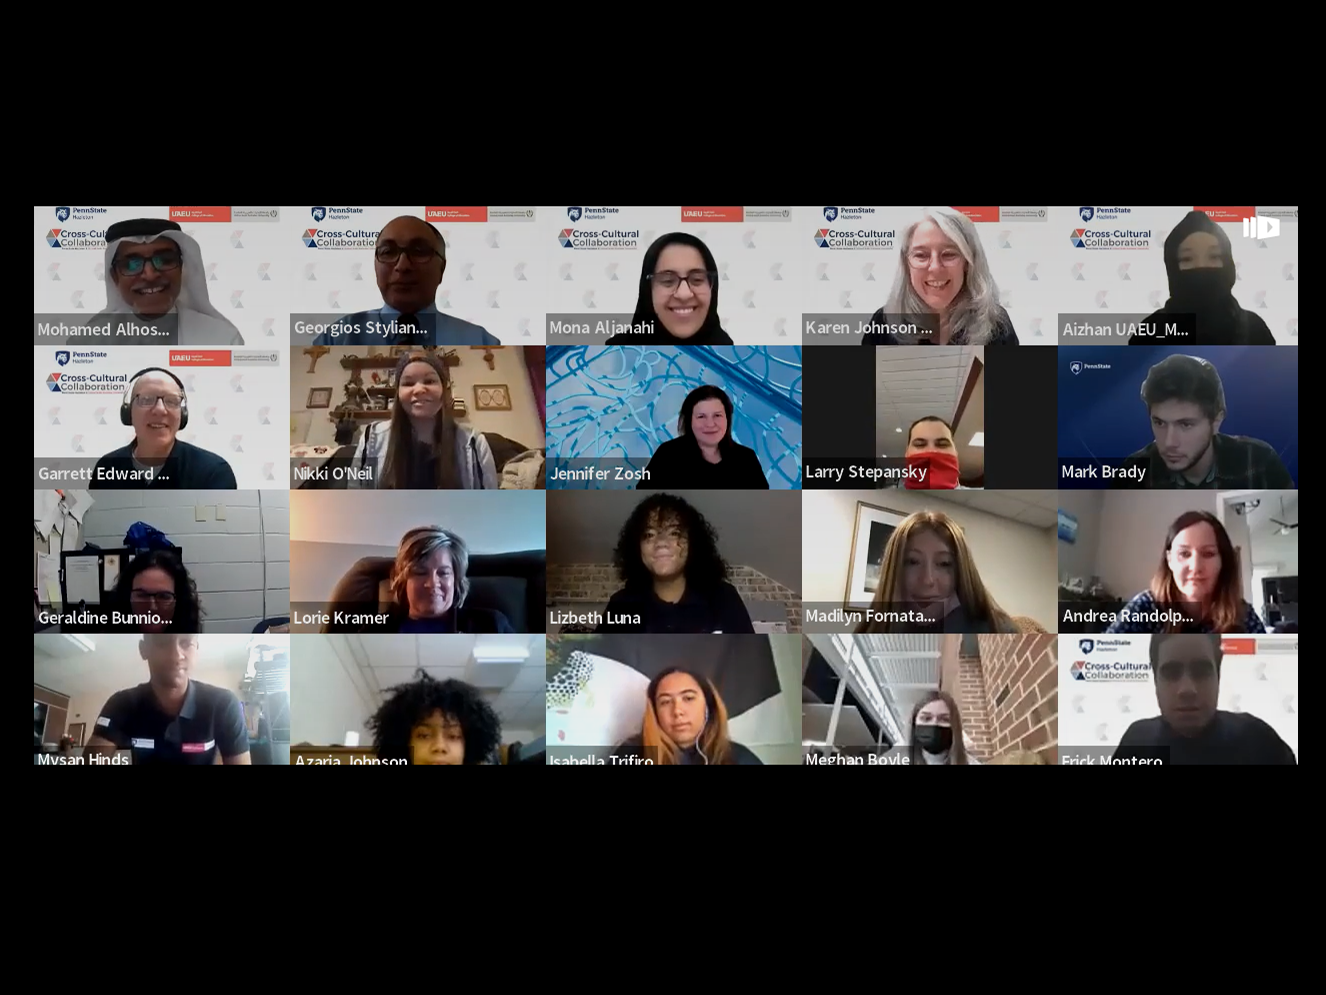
[{"x": 944, "y": 282}]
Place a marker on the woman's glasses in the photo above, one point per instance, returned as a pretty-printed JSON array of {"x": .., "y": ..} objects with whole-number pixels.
[
  {"x": 697, "y": 278},
  {"x": 920, "y": 258},
  {"x": 154, "y": 597}
]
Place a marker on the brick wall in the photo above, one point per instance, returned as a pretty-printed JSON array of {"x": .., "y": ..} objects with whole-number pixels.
[
  {"x": 597, "y": 582},
  {"x": 1020, "y": 675}
]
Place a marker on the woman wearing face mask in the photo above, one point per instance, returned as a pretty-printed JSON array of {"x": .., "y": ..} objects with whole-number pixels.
[
  {"x": 1200, "y": 266},
  {"x": 678, "y": 296},
  {"x": 932, "y": 457},
  {"x": 422, "y": 447},
  {"x": 943, "y": 271},
  {"x": 928, "y": 570},
  {"x": 429, "y": 586},
  {"x": 704, "y": 455},
  {"x": 674, "y": 579},
  {"x": 1198, "y": 576},
  {"x": 936, "y": 733},
  {"x": 685, "y": 722}
]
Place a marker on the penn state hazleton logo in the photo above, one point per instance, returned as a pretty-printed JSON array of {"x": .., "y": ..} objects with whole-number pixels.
[
  {"x": 1086, "y": 213},
  {"x": 831, "y": 214},
  {"x": 62, "y": 358},
  {"x": 319, "y": 214},
  {"x": 1086, "y": 645},
  {"x": 62, "y": 214},
  {"x": 1075, "y": 367},
  {"x": 575, "y": 213}
]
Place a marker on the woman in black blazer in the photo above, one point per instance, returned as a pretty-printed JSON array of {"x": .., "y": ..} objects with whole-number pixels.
[{"x": 703, "y": 456}]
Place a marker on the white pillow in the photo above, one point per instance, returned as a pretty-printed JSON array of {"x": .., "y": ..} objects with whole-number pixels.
[{"x": 594, "y": 701}]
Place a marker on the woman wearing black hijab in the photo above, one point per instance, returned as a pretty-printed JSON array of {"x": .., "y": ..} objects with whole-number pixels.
[
  {"x": 678, "y": 296},
  {"x": 1200, "y": 265},
  {"x": 704, "y": 454}
]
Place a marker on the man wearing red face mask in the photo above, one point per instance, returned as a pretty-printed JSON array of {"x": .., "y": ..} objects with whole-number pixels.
[{"x": 932, "y": 456}]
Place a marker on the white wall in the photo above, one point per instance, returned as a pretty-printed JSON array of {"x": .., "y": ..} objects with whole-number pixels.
[
  {"x": 520, "y": 424},
  {"x": 1241, "y": 538},
  {"x": 1133, "y": 525},
  {"x": 1078, "y": 559},
  {"x": 238, "y": 554},
  {"x": 1018, "y": 563}
]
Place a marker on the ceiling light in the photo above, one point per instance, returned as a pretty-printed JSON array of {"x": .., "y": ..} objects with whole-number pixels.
[
  {"x": 978, "y": 440},
  {"x": 898, "y": 430},
  {"x": 82, "y": 642}
]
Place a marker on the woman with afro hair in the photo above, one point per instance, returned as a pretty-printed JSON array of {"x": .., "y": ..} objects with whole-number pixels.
[
  {"x": 673, "y": 577},
  {"x": 432, "y": 722}
]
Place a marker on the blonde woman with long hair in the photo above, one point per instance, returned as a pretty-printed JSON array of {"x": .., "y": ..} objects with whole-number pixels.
[
  {"x": 928, "y": 571},
  {"x": 685, "y": 722}
]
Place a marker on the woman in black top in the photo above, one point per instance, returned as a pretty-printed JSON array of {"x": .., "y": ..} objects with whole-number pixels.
[
  {"x": 678, "y": 296},
  {"x": 685, "y": 724},
  {"x": 1200, "y": 264},
  {"x": 674, "y": 578},
  {"x": 157, "y": 584},
  {"x": 429, "y": 586},
  {"x": 704, "y": 455}
]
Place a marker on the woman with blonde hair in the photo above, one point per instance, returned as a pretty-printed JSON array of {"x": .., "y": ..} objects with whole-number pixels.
[
  {"x": 429, "y": 586},
  {"x": 928, "y": 582},
  {"x": 685, "y": 722},
  {"x": 943, "y": 272},
  {"x": 1198, "y": 579}
]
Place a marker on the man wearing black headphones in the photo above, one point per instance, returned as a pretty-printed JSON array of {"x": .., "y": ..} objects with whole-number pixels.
[{"x": 156, "y": 407}]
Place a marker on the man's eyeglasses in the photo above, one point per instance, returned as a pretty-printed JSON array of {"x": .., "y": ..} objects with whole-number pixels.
[
  {"x": 173, "y": 402},
  {"x": 419, "y": 253},
  {"x": 156, "y": 597},
  {"x": 697, "y": 278},
  {"x": 163, "y": 262}
]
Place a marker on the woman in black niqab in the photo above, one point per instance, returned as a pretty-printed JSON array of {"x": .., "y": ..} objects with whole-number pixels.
[{"x": 1200, "y": 266}]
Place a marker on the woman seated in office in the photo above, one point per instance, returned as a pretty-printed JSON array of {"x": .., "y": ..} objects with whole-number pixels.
[
  {"x": 930, "y": 448},
  {"x": 435, "y": 723},
  {"x": 943, "y": 274},
  {"x": 704, "y": 455},
  {"x": 928, "y": 570},
  {"x": 685, "y": 722},
  {"x": 1198, "y": 576},
  {"x": 677, "y": 303},
  {"x": 421, "y": 447},
  {"x": 936, "y": 733},
  {"x": 429, "y": 586},
  {"x": 1199, "y": 262},
  {"x": 157, "y": 583},
  {"x": 673, "y": 577}
]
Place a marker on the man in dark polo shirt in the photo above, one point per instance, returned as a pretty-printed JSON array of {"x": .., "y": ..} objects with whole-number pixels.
[
  {"x": 1191, "y": 729},
  {"x": 1186, "y": 402},
  {"x": 172, "y": 719},
  {"x": 156, "y": 407}
]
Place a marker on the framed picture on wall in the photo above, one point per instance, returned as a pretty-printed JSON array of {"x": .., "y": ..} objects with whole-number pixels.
[
  {"x": 874, "y": 525},
  {"x": 492, "y": 397},
  {"x": 319, "y": 397}
]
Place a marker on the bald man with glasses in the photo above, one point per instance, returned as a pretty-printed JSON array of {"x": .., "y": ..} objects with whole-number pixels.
[{"x": 409, "y": 260}]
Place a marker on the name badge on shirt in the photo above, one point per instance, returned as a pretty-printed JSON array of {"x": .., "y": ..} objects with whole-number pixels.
[
  {"x": 144, "y": 744},
  {"x": 198, "y": 747},
  {"x": 102, "y": 721}
]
